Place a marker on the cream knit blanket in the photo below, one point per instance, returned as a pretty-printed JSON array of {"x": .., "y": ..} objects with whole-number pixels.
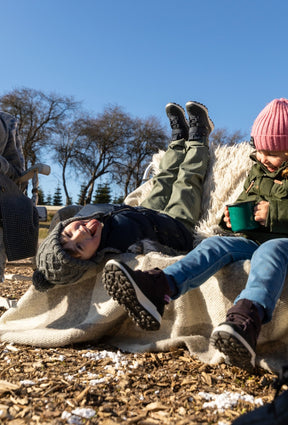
[{"x": 84, "y": 312}]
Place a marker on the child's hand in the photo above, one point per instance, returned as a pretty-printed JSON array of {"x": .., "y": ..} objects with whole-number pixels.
[
  {"x": 261, "y": 212},
  {"x": 227, "y": 217}
]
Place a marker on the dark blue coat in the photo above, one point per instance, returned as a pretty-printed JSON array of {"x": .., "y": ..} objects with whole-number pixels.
[{"x": 125, "y": 225}]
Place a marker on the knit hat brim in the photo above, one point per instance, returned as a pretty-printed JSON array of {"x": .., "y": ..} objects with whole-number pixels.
[{"x": 54, "y": 265}]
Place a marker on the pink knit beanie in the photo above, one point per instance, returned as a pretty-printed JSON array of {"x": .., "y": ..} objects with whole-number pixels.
[{"x": 270, "y": 129}]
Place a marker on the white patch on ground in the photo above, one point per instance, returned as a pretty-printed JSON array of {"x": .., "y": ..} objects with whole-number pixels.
[{"x": 227, "y": 400}]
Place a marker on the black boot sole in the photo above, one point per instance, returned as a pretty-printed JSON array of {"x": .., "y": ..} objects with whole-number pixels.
[
  {"x": 238, "y": 351},
  {"x": 122, "y": 288}
]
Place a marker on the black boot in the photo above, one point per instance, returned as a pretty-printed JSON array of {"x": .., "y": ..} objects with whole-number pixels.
[
  {"x": 237, "y": 336},
  {"x": 143, "y": 294},
  {"x": 178, "y": 122},
  {"x": 200, "y": 125}
]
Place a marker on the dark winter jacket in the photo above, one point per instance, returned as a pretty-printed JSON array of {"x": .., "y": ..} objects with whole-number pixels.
[
  {"x": 125, "y": 229},
  {"x": 125, "y": 225},
  {"x": 19, "y": 219},
  {"x": 11, "y": 153},
  {"x": 18, "y": 216}
]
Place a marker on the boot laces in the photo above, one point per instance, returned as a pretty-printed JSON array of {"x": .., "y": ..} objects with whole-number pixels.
[
  {"x": 194, "y": 121},
  {"x": 243, "y": 321},
  {"x": 174, "y": 122}
]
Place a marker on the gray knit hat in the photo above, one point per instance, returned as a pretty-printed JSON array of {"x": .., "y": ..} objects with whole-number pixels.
[{"x": 54, "y": 265}]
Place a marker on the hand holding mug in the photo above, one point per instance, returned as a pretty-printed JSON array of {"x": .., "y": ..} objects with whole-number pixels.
[
  {"x": 227, "y": 217},
  {"x": 261, "y": 212}
]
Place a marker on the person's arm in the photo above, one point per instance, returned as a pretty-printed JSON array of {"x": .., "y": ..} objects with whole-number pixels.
[
  {"x": 11, "y": 154},
  {"x": 277, "y": 219}
]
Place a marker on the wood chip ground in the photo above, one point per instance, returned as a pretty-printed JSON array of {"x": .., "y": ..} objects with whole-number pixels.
[{"x": 97, "y": 384}]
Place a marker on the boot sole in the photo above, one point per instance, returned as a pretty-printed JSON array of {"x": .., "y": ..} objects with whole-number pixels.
[
  {"x": 179, "y": 107},
  {"x": 203, "y": 107},
  {"x": 121, "y": 286},
  {"x": 234, "y": 346},
  {"x": 181, "y": 110}
]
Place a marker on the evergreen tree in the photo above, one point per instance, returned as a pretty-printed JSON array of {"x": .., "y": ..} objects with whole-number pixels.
[
  {"x": 57, "y": 198},
  {"x": 49, "y": 199},
  {"x": 118, "y": 200},
  {"x": 41, "y": 199},
  {"x": 81, "y": 197},
  {"x": 103, "y": 195}
]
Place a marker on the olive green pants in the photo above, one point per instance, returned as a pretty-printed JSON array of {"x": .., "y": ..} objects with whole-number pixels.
[{"x": 177, "y": 188}]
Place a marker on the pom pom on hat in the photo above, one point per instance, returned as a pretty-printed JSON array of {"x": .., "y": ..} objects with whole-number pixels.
[
  {"x": 270, "y": 129},
  {"x": 40, "y": 283}
]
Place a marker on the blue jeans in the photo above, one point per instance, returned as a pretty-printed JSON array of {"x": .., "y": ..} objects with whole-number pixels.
[{"x": 267, "y": 275}]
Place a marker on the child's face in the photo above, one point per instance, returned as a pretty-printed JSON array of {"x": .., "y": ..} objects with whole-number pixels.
[
  {"x": 82, "y": 238},
  {"x": 271, "y": 159}
]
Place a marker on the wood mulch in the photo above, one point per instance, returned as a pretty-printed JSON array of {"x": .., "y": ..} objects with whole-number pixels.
[{"x": 96, "y": 384}]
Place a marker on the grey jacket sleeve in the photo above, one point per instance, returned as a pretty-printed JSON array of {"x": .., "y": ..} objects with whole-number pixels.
[{"x": 11, "y": 152}]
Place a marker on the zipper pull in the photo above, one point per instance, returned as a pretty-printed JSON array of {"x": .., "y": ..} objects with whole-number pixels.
[{"x": 250, "y": 185}]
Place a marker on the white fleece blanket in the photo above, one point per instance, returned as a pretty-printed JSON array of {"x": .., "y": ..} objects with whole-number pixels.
[{"x": 84, "y": 312}]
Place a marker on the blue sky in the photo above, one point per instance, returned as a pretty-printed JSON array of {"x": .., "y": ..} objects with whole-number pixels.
[{"x": 229, "y": 55}]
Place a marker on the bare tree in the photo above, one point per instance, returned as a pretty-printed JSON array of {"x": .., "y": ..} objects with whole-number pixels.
[
  {"x": 38, "y": 116},
  {"x": 106, "y": 139},
  {"x": 111, "y": 144},
  {"x": 147, "y": 138},
  {"x": 221, "y": 136},
  {"x": 64, "y": 147},
  {"x": 90, "y": 146}
]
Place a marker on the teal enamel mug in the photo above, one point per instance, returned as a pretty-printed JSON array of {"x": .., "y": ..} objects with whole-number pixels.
[{"x": 242, "y": 216}]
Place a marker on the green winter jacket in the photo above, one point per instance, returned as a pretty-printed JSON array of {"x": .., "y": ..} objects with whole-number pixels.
[{"x": 259, "y": 186}]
